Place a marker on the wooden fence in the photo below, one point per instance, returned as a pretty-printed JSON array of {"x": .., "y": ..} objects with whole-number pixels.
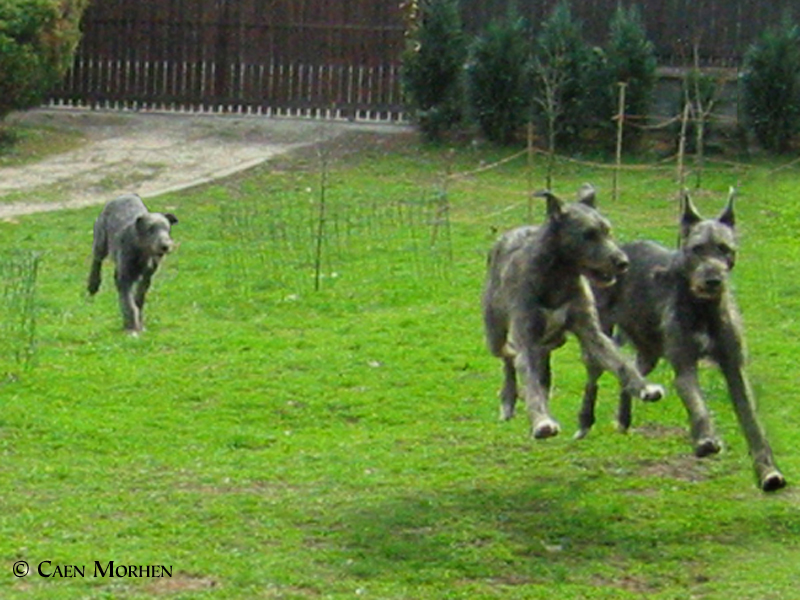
[
  {"x": 298, "y": 57},
  {"x": 333, "y": 58}
]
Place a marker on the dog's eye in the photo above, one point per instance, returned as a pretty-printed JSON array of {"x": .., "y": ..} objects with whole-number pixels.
[{"x": 725, "y": 249}]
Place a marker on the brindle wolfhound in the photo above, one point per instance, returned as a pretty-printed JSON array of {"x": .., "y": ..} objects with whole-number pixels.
[
  {"x": 137, "y": 241},
  {"x": 678, "y": 305},
  {"x": 537, "y": 291}
]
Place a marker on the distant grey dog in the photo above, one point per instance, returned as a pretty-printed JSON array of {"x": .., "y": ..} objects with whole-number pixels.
[
  {"x": 537, "y": 290},
  {"x": 137, "y": 241}
]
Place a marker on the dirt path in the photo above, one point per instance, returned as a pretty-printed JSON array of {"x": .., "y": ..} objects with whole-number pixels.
[{"x": 151, "y": 154}]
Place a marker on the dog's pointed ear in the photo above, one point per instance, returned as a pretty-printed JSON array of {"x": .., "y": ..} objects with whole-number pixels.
[
  {"x": 689, "y": 214},
  {"x": 171, "y": 218},
  {"x": 555, "y": 207},
  {"x": 727, "y": 216},
  {"x": 587, "y": 195}
]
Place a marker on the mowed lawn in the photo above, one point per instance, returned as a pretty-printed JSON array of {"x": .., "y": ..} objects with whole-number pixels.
[{"x": 266, "y": 439}]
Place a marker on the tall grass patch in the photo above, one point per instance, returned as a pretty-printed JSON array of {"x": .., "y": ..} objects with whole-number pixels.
[{"x": 18, "y": 274}]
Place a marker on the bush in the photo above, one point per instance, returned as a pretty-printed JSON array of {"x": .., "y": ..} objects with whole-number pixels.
[
  {"x": 433, "y": 65},
  {"x": 561, "y": 68},
  {"x": 771, "y": 86},
  {"x": 631, "y": 59},
  {"x": 498, "y": 79},
  {"x": 37, "y": 42}
]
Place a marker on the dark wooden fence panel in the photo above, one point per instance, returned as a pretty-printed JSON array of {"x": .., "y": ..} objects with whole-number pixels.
[
  {"x": 337, "y": 58},
  {"x": 309, "y": 57}
]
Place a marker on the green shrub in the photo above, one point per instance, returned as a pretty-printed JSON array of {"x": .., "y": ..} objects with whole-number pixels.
[
  {"x": 631, "y": 59},
  {"x": 433, "y": 65},
  {"x": 498, "y": 79},
  {"x": 37, "y": 42},
  {"x": 771, "y": 86}
]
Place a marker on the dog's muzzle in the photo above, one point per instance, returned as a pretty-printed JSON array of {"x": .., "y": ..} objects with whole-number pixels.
[
  {"x": 163, "y": 249},
  {"x": 608, "y": 277},
  {"x": 709, "y": 283}
]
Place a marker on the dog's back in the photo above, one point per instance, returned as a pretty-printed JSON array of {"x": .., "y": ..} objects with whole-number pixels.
[
  {"x": 496, "y": 300},
  {"x": 118, "y": 214}
]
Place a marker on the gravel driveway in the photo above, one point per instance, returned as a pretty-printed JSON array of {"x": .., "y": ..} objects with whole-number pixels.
[{"x": 152, "y": 153}]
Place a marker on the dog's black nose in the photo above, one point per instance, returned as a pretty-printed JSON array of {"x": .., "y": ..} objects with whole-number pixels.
[
  {"x": 713, "y": 283},
  {"x": 621, "y": 263}
]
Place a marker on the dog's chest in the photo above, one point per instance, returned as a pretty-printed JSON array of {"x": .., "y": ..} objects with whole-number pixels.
[
  {"x": 551, "y": 326},
  {"x": 703, "y": 342}
]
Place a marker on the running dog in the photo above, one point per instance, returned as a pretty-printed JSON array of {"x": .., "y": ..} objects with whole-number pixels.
[
  {"x": 137, "y": 240},
  {"x": 678, "y": 304},
  {"x": 537, "y": 289}
]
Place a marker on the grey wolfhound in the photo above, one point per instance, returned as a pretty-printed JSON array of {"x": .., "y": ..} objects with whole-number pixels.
[
  {"x": 137, "y": 240},
  {"x": 537, "y": 291},
  {"x": 678, "y": 304}
]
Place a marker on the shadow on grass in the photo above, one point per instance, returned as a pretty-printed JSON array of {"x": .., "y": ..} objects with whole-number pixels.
[{"x": 555, "y": 531}]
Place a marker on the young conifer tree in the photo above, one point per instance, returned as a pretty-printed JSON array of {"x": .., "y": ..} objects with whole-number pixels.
[
  {"x": 498, "y": 78},
  {"x": 771, "y": 86},
  {"x": 432, "y": 75}
]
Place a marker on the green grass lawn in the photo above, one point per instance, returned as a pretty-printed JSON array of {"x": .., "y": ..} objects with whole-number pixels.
[{"x": 265, "y": 440}]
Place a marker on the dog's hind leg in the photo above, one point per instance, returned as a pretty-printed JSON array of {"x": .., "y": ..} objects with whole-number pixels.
[
  {"x": 645, "y": 363},
  {"x": 586, "y": 417},
  {"x": 496, "y": 329},
  {"x": 99, "y": 252},
  {"x": 95, "y": 276},
  {"x": 509, "y": 393},
  {"x": 594, "y": 370}
]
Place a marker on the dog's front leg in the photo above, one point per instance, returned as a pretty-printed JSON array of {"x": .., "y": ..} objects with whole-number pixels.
[
  {"x": 127, "y": 304},
  {"x": 603, "y": 352},
  {"x": 769, "y": 476},
  {"x": 142, "y": 287},
  {"x": 533, "y": 365},
  {"x": 688, "y": 388}
]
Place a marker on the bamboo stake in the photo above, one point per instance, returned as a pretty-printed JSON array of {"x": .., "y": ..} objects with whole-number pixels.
[
  {"x": 623, "y": 86},
  {"x": 682, "y": 148},
  {"x": 321, "y": 216},
  {"x": 530, "y": 171}
]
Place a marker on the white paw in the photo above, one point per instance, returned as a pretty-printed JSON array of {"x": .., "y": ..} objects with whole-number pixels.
[
  {"x": 651, "y": 393},
  {"x": 546, "y": 428}
]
